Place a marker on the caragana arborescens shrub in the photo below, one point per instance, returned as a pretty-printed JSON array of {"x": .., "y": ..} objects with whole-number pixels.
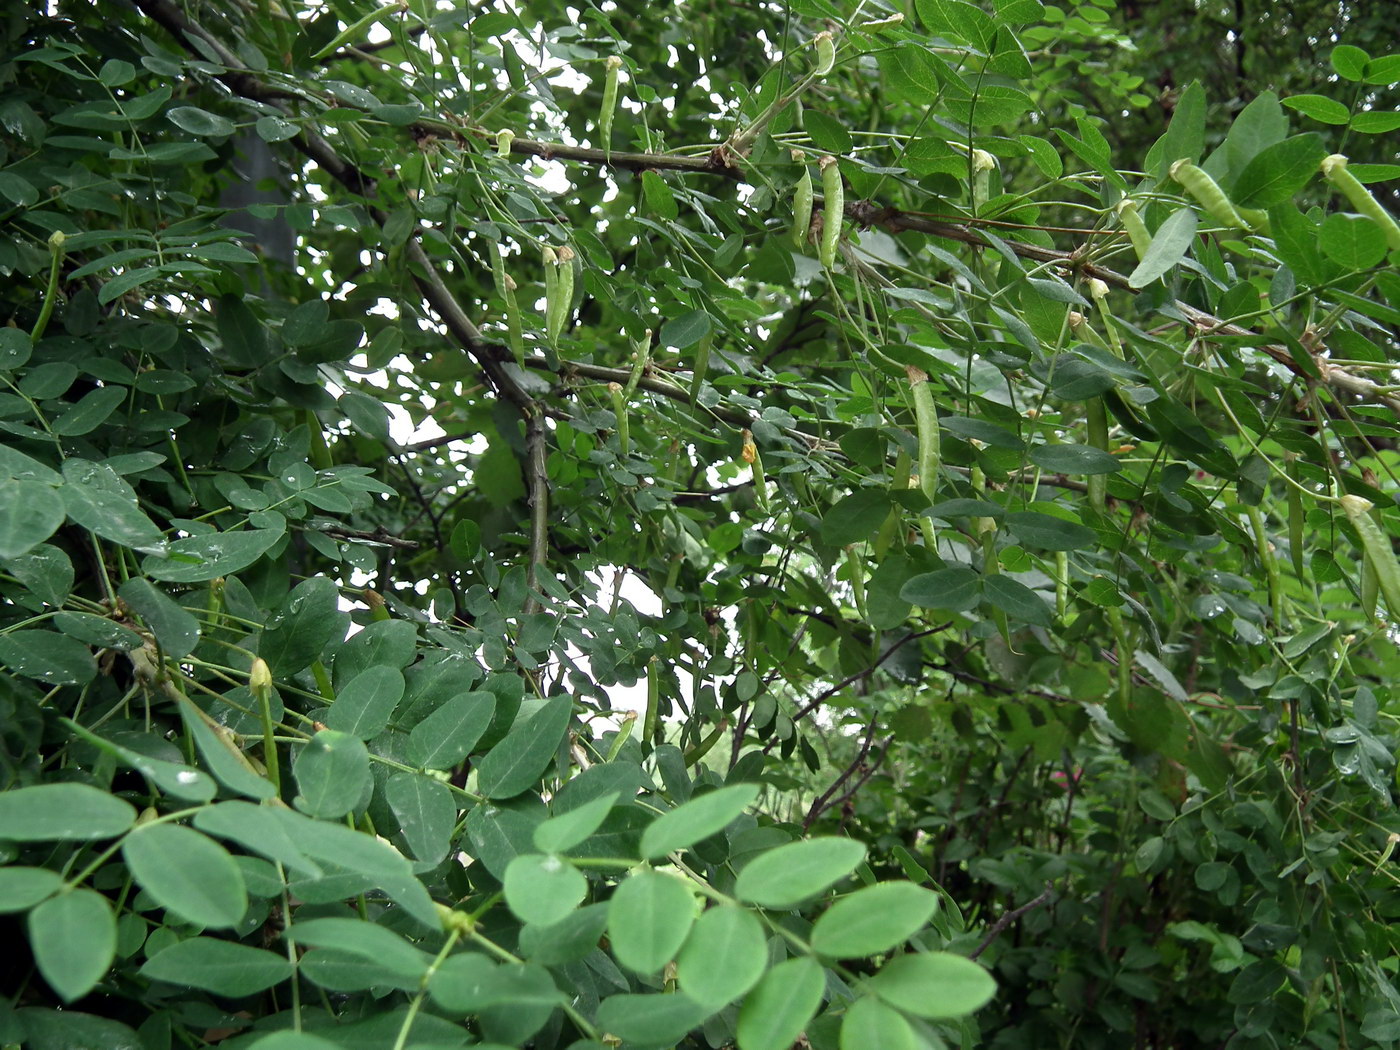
[{"x": 996, "y": 547}]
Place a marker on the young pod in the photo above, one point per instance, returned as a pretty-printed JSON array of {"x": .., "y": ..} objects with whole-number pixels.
[
  {"x": 833, "y": 210},
  {"x": 801, "y": 204},
  {"x": 1334, "y": 170},
  {"x": 826, "y": 52},
  {"x": 504, "y": 138},
  {"x": 926, "y": 421},
  {"x": 609, "y": 106},
  {"x": 983, "y": 164},
  {"x": 1376, "y": 549},
  {"x": 1127, "y": 210},
  {"x": 1208, "y": 194}
]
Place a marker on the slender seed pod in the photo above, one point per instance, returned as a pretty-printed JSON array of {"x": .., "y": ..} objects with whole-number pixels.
[
  {"x": 983, "y": 164},
  {"x": 1334, "y": 170},
  {"x": 1295, "y": 514},
  {"x": 826, "y": 52},
  {"x": 1208, "y": 194},
  {"x": 504, "y": 138},
  {"x": 833, "y": 210},
  {"x": 260, "y": 685},
  {"x": 56, "y": 253},
  {"x": 566, "y": 284},
  {"x": 893, "y": 20},
  {"x": 801, "y": 204},
  {"x": 930, "y": 441},
  {"x": 619, "y": 404},
  {"x": 1376, "y": 548},
  {"x": 1370, "y": 588},
  {"x": 1127, "y": 210},
  {"x": 605, "y": 115},
  {"x": 551, "y": 292}
]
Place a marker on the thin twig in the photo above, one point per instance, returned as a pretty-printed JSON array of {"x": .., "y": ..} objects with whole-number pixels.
[
  {"x": 823, "y": 801},
  {"x": 826, "y": 694},
  {"x": 537, "y": 482},
  {"x": 999, "y": 927}
]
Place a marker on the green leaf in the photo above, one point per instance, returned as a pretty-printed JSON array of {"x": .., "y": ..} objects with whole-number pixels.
[
  {"x": 89, "y": 412},
  {"x": 1349, "y": 62},
  {"x": 776, "y": 1012},
  {"x": 725, "y": 955},
  {"x": 684, "y": 331},
  {"x": 650, "y": 1020},
  {"x": 570, "y": 939},
  {"x": 472, "y": 983},
  {"x": 571, "y": 827},
  {"x": 21, "y": 888},
  {"x": 220, "y": 759},
  {"x": 290, "y": 1040},
  {"x": 934, "y": 984},
  {"x": 426, "y": 813},
  {"x": 176, "y": 630},
  {"x": 873, "y": 920},
  {"x": 54, "y": 812},
  {"x": 366, "y": 940},
  {"x": 333, "y": 777},
  {"x": 1354, "y": 241},
  {"x": 1185, "y": 135},
  {"x": 1321, "y": 108},
  {"x": 1047, "y": 532},
  {"x": 74, "y": 940},
  {"x": 649, "y": 916},
  {"x": 30, "y": 512},
  {"x": 660, "y": 200},
  {"x": 869, "y": 1022},
  {"x": 1169, "y": 245},
  {"x": 363, "y": 705},
  {"x": 1018, "y": 601},
  {"x": 1074, "y": 459},
  {"x": 1279, "y": 172},
  {"x": 304, "y": 625},
  {"x": 15, "y": 348},
  {"x": 97, "y": 499},
  {"x": 1373, "y": 122},
  {"x": 789, "y": 875},
  {"x": 828, "y": 134},
  {"x": 174, "y": 778},
  {"x": 855, "y": 517},
  {"x": 701, "y": 817},
  {"x": 222, "y": 967},
  {"x": 47, "y": 656},
  {"x": 517, "y": 762},
  {"x": 543, "y": 888},
  {"x": 188, "y": 874},
  {"x": 955, "y": 589},
  {"x": 992, "y": 434},
  {"x": 197, "y": 559},
  {"x": 200, "y": 122},
  {"x": 448, "y": 735}
]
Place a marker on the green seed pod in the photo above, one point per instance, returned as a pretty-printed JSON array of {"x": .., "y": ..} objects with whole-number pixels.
[
  {"x": 930, "y": 441},
  {"x": 609, "y": 106},
  {"x": 551, "y": 292},
  {"x": 566, "y": 288},
  {"x": 1127, "y": 210},
  {"x": 1376, "y": 549},
  {"x": 833, "y": 211},
  {"x": 504, "y": 138},
  {"x": 826, "y": 52},
  {"x": 983, "y": 164},
  {"x": 1208, "y": 194},
  {"x": 1334, "y": 170},
  {"x": 801, "y": 205}
]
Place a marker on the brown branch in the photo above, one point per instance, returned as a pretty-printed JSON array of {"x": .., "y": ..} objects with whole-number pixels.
[
  {"x": 823, "y": 801},
  {"x": 999, "y": 927},
  {"x": 826, "y": 694},
  {"x": 537, "y": 482},
  {"x": 716, "y": 162},
  {"x": 379, "y": 535}
]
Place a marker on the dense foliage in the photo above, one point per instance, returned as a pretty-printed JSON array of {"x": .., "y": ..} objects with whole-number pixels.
[{"x": 970, "y": 448}]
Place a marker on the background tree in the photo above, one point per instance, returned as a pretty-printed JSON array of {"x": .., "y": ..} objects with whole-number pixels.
[{"x": 986, "y": 497}]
